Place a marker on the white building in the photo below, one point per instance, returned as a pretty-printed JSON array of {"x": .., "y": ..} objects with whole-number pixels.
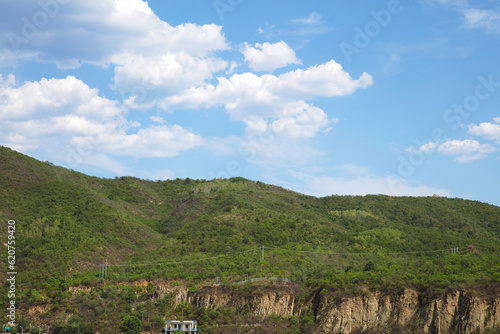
[{"x": 186, "y": 326}]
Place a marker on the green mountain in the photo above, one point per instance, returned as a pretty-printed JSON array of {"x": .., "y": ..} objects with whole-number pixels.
[{"x": 192, "y": 231}]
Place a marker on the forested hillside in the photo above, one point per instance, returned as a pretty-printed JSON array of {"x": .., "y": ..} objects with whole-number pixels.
[{"x": 193, "y": 231}]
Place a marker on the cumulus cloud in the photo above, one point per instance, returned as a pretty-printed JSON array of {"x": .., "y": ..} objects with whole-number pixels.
[
  {"x": 55, "y": 97},
  {"x": 154, "y": 64},
  {"x": 325, "y": 80},
  {"x": 487, "y": 130},
  {"x": 429, "y": 146},
  {"x": 68, "y": 119},
  {"x": 101, "y": 32},
  {"x": 302, "y": 121},
  {"x": 276, "y": 100},
  {"x": 148, "y": 55},
  {"x": 268, "y": 57},
  {"x": 466, "y": 150},
  {"x": 169, "y": 73}
]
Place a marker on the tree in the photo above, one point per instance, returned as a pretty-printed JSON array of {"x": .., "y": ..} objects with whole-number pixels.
[
  {"x": 131, "y": 325},
  {"x": 370, "y": 266},
  {"x": 75, "y": 325}
]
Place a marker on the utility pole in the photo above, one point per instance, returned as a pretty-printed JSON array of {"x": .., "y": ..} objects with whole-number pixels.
[{"x": 103, "y": 270}]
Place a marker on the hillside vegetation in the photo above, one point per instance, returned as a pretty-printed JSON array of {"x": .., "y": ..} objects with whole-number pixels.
[{"x": 193, "y": 231}]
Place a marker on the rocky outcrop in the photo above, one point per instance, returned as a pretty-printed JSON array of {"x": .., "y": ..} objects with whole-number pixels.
[
  {"x": 450, "y": 313},
  {"x": 453, "y": 312},
  {"x": 275, "y": 300},
  {"x": 278, "y": 300}
]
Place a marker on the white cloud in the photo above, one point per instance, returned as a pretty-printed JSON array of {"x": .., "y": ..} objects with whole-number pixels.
[
  {"x": 429, "y": 146},
  {"x": 154, "y": 64},
  {"x": 96, "y": 31},
  {"x": 312, "y": 18},
  {"x": 466, "y": 150},
  {"x": 55, "y": 97},
  {"x": 488, "y": 20},
  {"x": 277, "y": 102},
  {"x": 149, "y": 56},
  {"x": 304, "y": 122},
  {"x": 150, "y": 142},
  {"x": 463, "y": 147},
  {"x": 158, "y": 119},
  {"x": 487, "y": 130},
  {"x": 268, "y": 57},
  {"x": 295, "y": 120},
  {"x": 325, "y": 80},
  {"x": 232, "y": 67},
  {"x": 71, "y": 122},
  {"x": 168, "y": 73},
  {"x": 10, "y": 81},
  {"x": 247, "y": 94},
  {"x": 323, "y": 185}
]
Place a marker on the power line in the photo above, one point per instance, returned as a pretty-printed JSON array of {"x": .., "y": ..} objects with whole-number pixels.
[
  {"x": 329, "y": 253},
  {"x": 280, "y": 249},
  {"x": 185, "y": 261}
]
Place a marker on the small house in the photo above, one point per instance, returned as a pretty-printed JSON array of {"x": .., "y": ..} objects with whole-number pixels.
[{"x": 186, "y": 326}]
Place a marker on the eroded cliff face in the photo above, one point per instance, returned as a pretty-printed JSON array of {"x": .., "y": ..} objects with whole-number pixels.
[
  {"x": 272, "y": 300},
  {"x": 275, "y": 300},
  {"x": 454, "y": 312},
  {"x": 450, "y": 313}
]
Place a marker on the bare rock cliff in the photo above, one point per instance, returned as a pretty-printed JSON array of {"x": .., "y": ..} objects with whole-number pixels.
[
  {"x": 453, "y": 312},
  {"x": 279, "y": 301}
]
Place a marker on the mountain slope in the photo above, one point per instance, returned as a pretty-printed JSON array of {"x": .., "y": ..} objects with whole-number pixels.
[{"x": 195, "y": 230}]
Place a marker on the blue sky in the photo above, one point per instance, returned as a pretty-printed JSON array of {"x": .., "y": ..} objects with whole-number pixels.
[{"x": 321, "y": 97}]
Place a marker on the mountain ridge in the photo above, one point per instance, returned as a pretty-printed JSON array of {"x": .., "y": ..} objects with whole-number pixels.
[{"x": 190, "y": 231}]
